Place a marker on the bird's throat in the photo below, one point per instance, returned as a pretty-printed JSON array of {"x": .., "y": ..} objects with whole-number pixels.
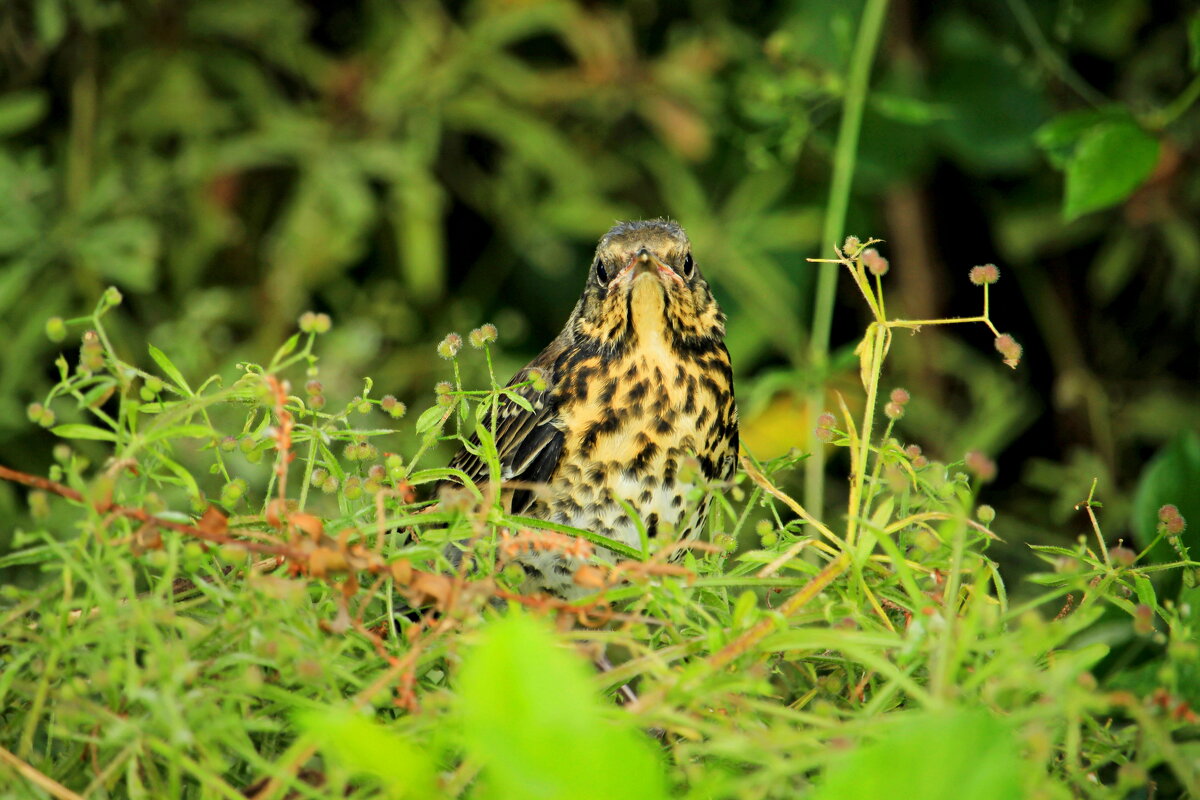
[{"x": 648, "y": 306}]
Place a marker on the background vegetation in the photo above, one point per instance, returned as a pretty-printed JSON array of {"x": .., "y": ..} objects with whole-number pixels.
[{"x": 411, "y": 169}]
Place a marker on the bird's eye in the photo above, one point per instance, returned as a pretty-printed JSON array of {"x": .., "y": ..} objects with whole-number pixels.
[
  {"x": 689, "y": 266},
  {"x": 601, "y": 273}
]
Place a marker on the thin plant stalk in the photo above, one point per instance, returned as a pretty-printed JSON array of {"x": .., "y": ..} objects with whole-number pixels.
[{"x": 844, "y": 158}]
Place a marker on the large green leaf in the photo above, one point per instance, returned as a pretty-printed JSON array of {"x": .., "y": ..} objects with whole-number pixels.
[
  {"x": 535, "y": 722},
  {"x": 1110, "y": 162},
  {"x": 362, "y": 746},
  {"x": 963, "y": 755}
]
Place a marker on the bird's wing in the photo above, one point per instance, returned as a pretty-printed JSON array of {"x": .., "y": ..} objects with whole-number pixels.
[{"x": 528, "y": 443}]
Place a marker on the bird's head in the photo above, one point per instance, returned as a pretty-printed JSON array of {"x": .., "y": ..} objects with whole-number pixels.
[{"x": 644, "y": 284}]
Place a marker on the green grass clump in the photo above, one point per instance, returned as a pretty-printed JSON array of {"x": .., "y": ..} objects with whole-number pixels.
[{"x": 218, "y": 600}]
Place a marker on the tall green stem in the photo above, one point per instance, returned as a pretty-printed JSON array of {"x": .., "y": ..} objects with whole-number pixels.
[{"x": 844, "y": 157}]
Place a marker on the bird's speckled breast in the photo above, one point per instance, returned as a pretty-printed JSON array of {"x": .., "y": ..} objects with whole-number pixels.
[{"x": 639, "y": 415}]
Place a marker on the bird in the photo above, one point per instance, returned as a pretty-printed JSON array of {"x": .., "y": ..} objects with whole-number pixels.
[{"x": 629, "y": 408}]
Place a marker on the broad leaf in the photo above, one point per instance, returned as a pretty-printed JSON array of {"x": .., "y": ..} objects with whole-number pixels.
[{"x": 1110, "y": 162}]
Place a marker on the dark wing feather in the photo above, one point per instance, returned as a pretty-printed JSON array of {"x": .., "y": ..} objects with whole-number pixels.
[{"x": 529, "y": 443}]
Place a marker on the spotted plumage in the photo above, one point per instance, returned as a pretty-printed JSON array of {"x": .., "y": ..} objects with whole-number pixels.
[{"x": 637, "y": 387}]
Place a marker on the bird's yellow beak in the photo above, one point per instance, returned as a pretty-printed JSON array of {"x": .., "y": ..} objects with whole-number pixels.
[{"x": 645, "y": 261}]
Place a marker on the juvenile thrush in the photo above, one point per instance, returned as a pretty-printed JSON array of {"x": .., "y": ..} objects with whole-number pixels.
[{"x": 638, "y": 381}]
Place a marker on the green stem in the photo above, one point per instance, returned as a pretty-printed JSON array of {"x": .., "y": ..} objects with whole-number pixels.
[
  {"x": 1160, "y": 119},
  {"x": 844, "y": 158}
]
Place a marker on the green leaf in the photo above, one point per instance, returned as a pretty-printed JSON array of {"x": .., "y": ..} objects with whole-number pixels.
[
  {"x": 21, "y": 110},
  {"x": 1171, "y": 477},
  {"x": 620, "y": 548},
  {"x": 430, "y": 418},
  {"x": 287, "y": 347},
  {"x": 365, "y": 747},
  {"x": 77, "y": 431},
  {"x": 945, "y": 756},
  {"x": 533, "y": 718},
  {"x": 39, "y": 554},
  {"x": 168, "y": 367},
  {"x": 195, "y": 431},
  {"x": 1110, "y": 162},
  {"x": 184, "y": 478},
  {"x": 519, "y": 400},
  {"x": 1059, "y": 136}
]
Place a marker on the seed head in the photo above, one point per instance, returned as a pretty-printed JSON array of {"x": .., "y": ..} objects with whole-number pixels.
[
  {"x": 448, "y": 348},
  {"x": 1123, "y": 556},
  {"x": 1168, "y": 512},
  {"x": 875, "y": 263},
  {"x": 893, "y": 411},
  {"x": 851, "y": 246},
  {"x": 537, "y": 380},
  {"x": 985, "y": 274},
  {"x": 482, "y": 336},
  {"x": 1009, "y": 348},
  {"x": 985, "y": 514},
  {"x": 981, "y": 466},
  {"x": 312, "y": 322}
]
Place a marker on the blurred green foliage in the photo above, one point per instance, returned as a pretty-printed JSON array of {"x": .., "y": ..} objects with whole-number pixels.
[{"x": 417, "y": 167}]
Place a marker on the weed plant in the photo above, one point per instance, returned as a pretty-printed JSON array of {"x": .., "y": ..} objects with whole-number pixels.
[{"x": 240, "y": 591}]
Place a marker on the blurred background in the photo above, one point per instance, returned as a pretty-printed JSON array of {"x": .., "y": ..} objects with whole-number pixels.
[{"x": 417, "y": 167}]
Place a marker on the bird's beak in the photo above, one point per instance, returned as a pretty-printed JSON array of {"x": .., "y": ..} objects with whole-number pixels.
[{"x": 645, "y": 261}]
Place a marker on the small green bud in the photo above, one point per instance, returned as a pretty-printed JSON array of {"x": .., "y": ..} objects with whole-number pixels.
[
  {"x": 56, "y": 329},
  {"x": 395, "y": 467},
  {"x": 233, "y": 491},
  {"x": 985, "y": 514},
  {"x": 112, "y": 296},
  {"x": 39, "y": 505}
]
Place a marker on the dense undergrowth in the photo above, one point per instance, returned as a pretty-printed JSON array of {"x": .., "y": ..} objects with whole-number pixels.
[{"x": 227, "y": 572}]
